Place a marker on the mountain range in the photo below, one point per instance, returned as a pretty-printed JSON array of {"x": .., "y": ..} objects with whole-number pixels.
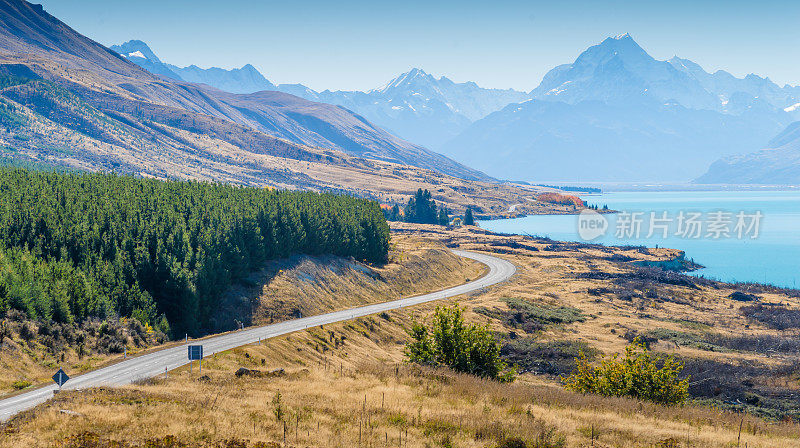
[
  {"x": 415, "y": 106},
  {"x": 242, "y": 80},
  {"x": 614, "y": 114}
]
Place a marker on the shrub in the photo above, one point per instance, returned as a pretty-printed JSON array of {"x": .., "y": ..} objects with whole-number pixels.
[
  {"x": 546, "y": 314},
  {"x": 638, "y": 374},
  {"x": 277, "y": 407},
  {"x": 21, "y": 384},
  {"x": 27, "y": 332},
  {"x": 513, "y": 442},
  {"x": 534, "y": 317},
  {"x": 466, "y": 348}
]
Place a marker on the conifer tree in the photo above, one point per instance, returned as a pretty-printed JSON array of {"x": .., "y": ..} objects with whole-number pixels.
[{"x": 469, "y": 220}]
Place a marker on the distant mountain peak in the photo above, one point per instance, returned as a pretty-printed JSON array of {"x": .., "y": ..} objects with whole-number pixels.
[
  {"x": 136, "y": 48},
  {"x": 413, "y": 75},
  {"x": 623, "y": 42}
]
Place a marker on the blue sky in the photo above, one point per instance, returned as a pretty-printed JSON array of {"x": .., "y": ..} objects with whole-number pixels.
[{"x": 500, "y": 43}]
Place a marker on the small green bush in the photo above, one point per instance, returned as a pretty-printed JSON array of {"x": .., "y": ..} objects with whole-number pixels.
[
  {"x": 21, "y": 384},
  {"x": 464, "y": 348},
  {"x": 638, "y": 374}
]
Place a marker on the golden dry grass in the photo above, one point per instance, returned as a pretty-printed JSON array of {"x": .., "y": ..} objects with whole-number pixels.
[
  {"x": 347, "y": 382},
  {"x": 334, "y": 397}
]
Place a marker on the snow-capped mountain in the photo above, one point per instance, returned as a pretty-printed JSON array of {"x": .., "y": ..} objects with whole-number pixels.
[
  {"x": 140, "y": 54},
  {"x": 619, "y": 71},
  {"x": 618, "y": 114},
  {"x": 734, "y": 93},
  {"x": 467, "y": 99},
  {"x": 417, "y": 106},
  {"x": 240, "y": 80}
]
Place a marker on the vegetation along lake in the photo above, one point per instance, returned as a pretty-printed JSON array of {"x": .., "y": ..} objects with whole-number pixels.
[{"x": 742, "y": 236}]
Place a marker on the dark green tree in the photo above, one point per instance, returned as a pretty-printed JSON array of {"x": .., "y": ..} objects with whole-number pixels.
[
  {"x": 469, "y": 220},
  {"x": 444, "y": 216},
  {"x": 394, "y": 213},
  {"x": 78, "y": 246},
  {"x": 421, "y": 208}
]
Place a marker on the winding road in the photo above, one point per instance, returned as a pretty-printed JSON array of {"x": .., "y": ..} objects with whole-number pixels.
[{"x": 155, "y": 363}]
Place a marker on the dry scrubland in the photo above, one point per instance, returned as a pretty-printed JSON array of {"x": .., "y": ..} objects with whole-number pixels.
[{"x": 346, "y": 385}]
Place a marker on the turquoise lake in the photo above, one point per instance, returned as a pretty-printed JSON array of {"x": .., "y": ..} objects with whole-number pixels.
[{"x": 772, "y": 257}]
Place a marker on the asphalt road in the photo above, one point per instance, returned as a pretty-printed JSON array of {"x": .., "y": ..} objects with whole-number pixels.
[{"x": 156, "y": 363}]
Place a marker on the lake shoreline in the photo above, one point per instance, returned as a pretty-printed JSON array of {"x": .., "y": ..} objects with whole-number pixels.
[{"x": 770, "y": 257}]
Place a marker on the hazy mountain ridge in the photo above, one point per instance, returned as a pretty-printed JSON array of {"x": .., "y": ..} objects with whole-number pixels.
[
  {"x": 777, "y": 164},
  {"x": 239, "y": 80},
  {"x": 592, "y": 140},
  {"x": 726, "y": 87}
]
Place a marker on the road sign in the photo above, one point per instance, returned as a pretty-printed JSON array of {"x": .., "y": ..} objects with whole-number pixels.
[
  {"x": 195, "y": 352},
  {"x": 60, "y": 378}
]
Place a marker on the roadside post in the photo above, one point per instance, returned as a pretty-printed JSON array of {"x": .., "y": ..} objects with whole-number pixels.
[
  {"x": 60, "y": 378},
  {"x": 196, "y": 354}
]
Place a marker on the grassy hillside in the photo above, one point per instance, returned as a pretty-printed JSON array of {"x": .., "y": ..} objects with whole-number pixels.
[
  {"x": 31, "y": 37},
  {"x": 347, "y": 384},
  {"x": 45, "y": 123}
]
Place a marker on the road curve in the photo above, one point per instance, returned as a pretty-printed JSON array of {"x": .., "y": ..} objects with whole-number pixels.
[{"x": 156, "y": 363}]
